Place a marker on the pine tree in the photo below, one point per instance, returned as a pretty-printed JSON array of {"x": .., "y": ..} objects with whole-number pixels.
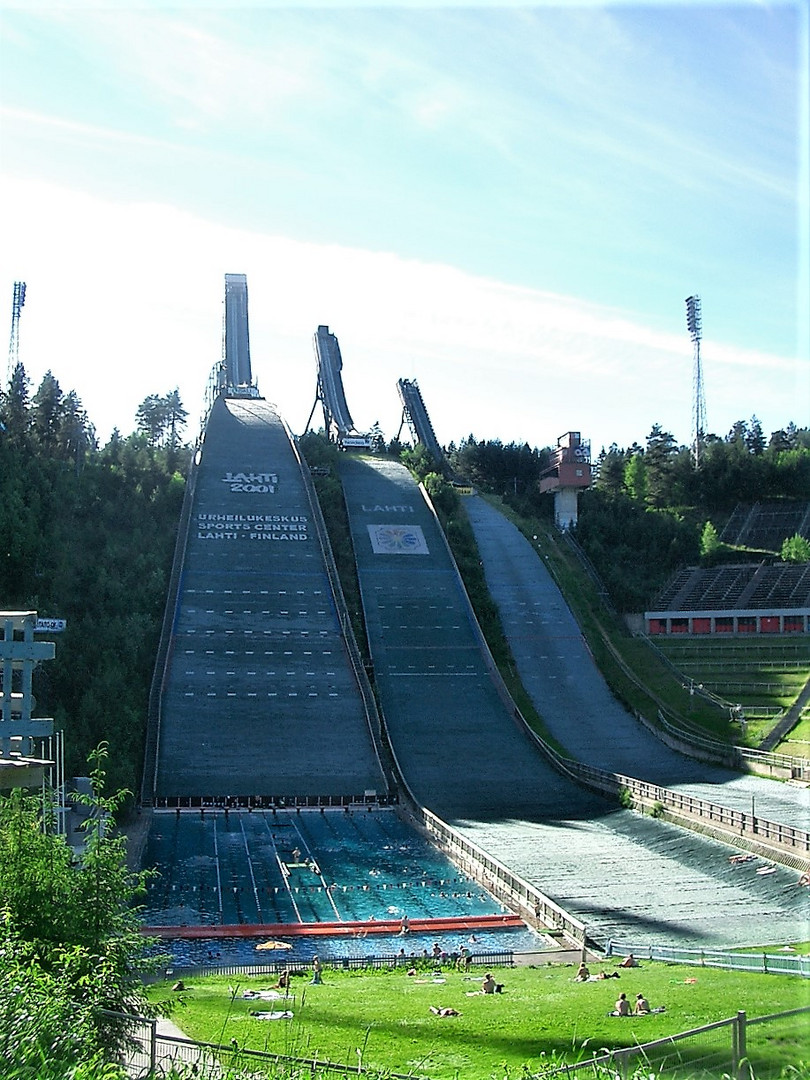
[{"x": 796, "y": 549}]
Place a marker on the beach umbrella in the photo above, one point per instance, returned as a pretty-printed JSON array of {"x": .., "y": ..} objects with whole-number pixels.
[{"x": 273, "y": 945}]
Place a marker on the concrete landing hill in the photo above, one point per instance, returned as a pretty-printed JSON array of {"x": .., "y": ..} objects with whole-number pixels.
[
  {"x": 260, "y": 698},
  {"x": 461, "y": 752}
]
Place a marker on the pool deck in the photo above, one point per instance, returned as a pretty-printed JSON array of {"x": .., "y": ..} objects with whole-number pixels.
[{"x": 350, "y": 928}]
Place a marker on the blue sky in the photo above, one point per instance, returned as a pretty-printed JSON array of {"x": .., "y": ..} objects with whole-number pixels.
[{"x": 508, "y": 203}]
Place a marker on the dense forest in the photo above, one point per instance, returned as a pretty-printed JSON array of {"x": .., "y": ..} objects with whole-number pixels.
[
  {"x": 87, "y": 536},
  {"x": 650, "y": 510},
  {"x": 88, "y": 533}
]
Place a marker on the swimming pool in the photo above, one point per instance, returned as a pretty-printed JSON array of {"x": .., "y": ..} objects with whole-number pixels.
[{"x": 222, "y": 868}]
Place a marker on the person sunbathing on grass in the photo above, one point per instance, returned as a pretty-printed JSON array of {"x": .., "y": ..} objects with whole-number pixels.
[
  {"x": 622, "y": 1006},
  {"x": 444, "y": 1012}
]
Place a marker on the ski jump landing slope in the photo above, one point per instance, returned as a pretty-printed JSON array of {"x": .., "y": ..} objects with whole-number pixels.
[
  {"x": 458, "y": 748},
  {"x": 260, "y": 698},
  {"x": 569, "y": 692},
  {"x": 626, "y": 876}
]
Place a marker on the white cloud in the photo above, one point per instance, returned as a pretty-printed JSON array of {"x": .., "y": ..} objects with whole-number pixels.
[
  {"x": 125, "y": 300},
  {"x": 77, "y": 131}
]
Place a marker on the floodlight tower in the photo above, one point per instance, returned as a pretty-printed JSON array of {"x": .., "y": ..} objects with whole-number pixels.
[
  {"x": 693, "y": 324},
  {"x": 14, "y": 342}
]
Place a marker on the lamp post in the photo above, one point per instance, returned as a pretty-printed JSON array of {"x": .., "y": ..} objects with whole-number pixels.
[{"x": 695, "y": 328}]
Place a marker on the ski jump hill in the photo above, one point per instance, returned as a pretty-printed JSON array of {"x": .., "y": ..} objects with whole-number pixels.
[{"x": 259, "y": 700}]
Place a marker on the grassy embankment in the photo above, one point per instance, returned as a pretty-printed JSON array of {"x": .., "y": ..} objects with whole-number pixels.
[
  {"x": 383, "y": 1018},
  {"x": 763, "y": 675}
]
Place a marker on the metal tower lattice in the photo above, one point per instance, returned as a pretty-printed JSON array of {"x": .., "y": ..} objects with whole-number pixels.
[
  {"x": 14, "y": 341},
  {"x": 694, "y": 325}
]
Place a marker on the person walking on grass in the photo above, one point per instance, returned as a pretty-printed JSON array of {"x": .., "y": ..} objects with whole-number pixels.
[{"x": 316, "y": 971}]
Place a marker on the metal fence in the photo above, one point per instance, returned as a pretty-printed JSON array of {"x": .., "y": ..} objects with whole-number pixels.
[
  {"x": 747, "y": 829},
  {"x": 725, "y": 1048},
  {"x": 153, "y": 1055},
  {"x": 510, "y": 888},
  {"x": 490, "y": 958},
  {"x": 761, "y": 962},
  {"x": 735, "y": 1047}
]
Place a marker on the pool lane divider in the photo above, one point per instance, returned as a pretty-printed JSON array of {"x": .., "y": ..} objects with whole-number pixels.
[{"x": 356, "y": 928}]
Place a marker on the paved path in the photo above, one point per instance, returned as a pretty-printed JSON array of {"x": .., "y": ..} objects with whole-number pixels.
[{"x": 138, "y": 1061}]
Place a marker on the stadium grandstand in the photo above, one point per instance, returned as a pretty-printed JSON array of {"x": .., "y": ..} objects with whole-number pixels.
[
  {"x": 766, "y": 525},
  {"x": 748, "y": 598},
  {"x": 744, "y": 598}
]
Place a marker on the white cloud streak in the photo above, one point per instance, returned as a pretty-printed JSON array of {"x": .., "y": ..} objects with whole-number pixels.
[{"x": 124, "y": 300}]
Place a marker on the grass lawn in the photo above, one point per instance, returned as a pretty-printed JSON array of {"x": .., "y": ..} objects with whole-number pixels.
[
  {"x": 798, "y": 741},
  {"x": 383, "y": 1017}
]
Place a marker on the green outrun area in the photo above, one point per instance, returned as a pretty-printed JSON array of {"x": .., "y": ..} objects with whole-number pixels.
[{"x": 387, "y": 1019}]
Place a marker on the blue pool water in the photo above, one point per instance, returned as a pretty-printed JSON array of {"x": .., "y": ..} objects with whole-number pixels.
[{"x": 222, "y": 868}]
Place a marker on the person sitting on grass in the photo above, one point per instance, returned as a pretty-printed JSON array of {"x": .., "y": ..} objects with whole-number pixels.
[
  {"x": 642, "y": 1006},
  {"x": 583, "y": 974},
  {"x": 488, "y": 985},
  {"x": 622, "y": 1006},
  {"x": 629, "y": 961}
]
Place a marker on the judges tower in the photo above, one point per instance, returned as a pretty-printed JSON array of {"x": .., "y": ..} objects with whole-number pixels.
[{"x": 568, "y": 473}]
